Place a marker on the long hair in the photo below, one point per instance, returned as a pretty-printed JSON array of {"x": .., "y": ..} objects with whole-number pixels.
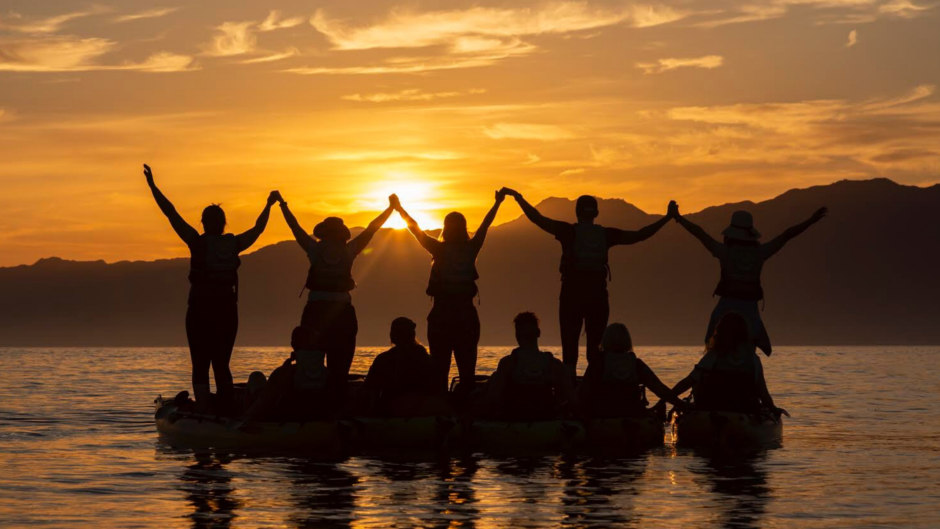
[{"x": 455, "y": 228}]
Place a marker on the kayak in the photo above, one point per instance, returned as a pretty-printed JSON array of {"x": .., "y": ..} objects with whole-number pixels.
[
  {"x": 400, "y": 434},
  {"x": 623, "y": 434},
  {"x": 184, "y": 428},
  {"x": 725, "y": 429},
  {"x": 521, "y": 437}
]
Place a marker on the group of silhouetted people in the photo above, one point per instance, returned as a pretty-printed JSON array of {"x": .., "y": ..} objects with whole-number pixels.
[{"x": 529, "y": 383}]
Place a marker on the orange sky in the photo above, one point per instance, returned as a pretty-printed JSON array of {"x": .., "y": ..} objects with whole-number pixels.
[{"x": 337, "y": 103}]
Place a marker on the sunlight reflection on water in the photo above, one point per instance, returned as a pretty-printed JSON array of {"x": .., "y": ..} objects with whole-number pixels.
[{"x": 78, "y": 448}]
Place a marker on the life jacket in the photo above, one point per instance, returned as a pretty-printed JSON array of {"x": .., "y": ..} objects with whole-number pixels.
[
  {"x": 213, "y": 264},
  {"x": 310, "y": 370},
  {"x": 728, "y": 386},
  {"x": 616, "y": 390},
  {"x": 454, "y": 271},
  {"x": 330, "y": 268},
  {"x": 410, "y": 367},
  {"x": 740, "y": 273},
  {"x": 588, "y": 253},
  {"x": 530, "y": 393}
]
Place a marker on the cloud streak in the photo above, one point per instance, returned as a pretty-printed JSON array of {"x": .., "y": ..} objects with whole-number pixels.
[
  {"x": 411, "y": 94},
  {"x": 18, "y": 23},
  {"x": 707, "y": 62},
  {"x": 144, "y": 15},
  {"x": 72, "y": 54}
]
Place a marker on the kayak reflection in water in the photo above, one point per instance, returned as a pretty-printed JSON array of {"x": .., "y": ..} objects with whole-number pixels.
[
  {"x": 730, "y": 376},
  {"x": 613, "y": 382},
  {"x": 742, "y": 257},
  {"x": 453, "y": 323},
  {"x": 400, "y": 382},
  {"x": 212, "y": 316},
  {"x": 528, "y": 384}
]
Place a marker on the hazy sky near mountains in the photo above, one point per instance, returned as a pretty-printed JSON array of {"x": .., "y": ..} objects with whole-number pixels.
[{"x": 339, "y": 103}]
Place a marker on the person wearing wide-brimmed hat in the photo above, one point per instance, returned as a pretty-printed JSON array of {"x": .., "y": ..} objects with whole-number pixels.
[
  {"x": 742, "y": 257},
  {"x": 329, "y": 313}
]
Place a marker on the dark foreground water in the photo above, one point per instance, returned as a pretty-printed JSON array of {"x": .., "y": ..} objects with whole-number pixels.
[{"x": 78, "y": 448}]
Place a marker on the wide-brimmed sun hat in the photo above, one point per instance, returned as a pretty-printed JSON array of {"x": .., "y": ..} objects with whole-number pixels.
[
  {"x": 741, "y": 227},
  {"x": 331, "y": 227}
]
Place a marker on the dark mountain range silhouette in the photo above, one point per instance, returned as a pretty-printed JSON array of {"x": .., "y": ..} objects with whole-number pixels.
[{"x": 867, "y": 274}]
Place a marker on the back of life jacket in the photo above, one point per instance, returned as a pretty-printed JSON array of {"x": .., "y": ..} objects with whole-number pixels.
[
  {"x": 740, "y": 273},
  {"x": 587, "y": 256},
  {"x": 454, "y": 271},
  {"x": 214, "y": 264},
  {"x": 310, "y": 370},
  {"x": 330, "y": 267},
  {"x": 530, "y": 393},
  {"x": 729, "y": 386},
  {"x": 620, "y": 375}
]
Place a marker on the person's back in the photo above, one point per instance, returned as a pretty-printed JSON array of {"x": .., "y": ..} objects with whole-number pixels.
[
  {"x": 729, "y": 375},
  {"x": 400, "y": 380},
  {"x": 611, "y": 385},
  {"x": 528, "y": 384}
]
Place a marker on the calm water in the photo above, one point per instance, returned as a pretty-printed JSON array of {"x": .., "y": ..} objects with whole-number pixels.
[{"x": 78, "y": 449}]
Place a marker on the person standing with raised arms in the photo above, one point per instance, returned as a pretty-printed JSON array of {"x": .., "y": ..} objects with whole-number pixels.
[
  {"x": 453, "y": 323},
  {"x": 584, "y": 270},
  {"x": 212, "y": 316},
  {"x": 742, "y": 258},
  {"x": 329, "y": 314}
]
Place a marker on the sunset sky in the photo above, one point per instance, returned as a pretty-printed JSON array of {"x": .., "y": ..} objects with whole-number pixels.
[{"x": 336, "y": 104}]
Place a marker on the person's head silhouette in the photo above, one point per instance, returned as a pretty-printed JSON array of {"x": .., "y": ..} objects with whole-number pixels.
[
  {"x": 586, "y": 208},
  {"x": 332, "y": 229},
  {"x": 616, "y": 339},
  {"x": 402, "y": 331},
  {"x": 527, "y": 328},
  {"x": 213, "y": 220},
  {"x": 741, "y": 228},
  {"x": 455, "y": 228}
]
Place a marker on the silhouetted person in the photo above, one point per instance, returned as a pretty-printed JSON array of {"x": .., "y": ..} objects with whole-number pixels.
[
  {"x": 297, "y": 390},
  {"x": 742, "y": 257},
  {"x": 730, "y": 376},
  {"x": 584, "y": 270},
  {"x": 212, "y": 316},
  {"x": 329, "y": 312},
  {"x": 453, "y": 323},
  {"x": 613, "y": 382},
  {"x": 400, "y": 381},
  {"x": 528, "y": 384}
]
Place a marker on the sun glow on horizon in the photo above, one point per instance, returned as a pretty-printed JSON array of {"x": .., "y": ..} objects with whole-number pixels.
[{"x": 417, "y": 197}]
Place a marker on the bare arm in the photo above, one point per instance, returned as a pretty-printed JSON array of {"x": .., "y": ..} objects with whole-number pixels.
[
  {"x": 710, "y": 243},
  {"x": 246, "y": 239},
  {"x": 778, "y": 242},
  {"x": 488, "y": 219},
  {"x": 550, "y": 225},
  {"x": 303, "y": 239},
  {"x": 424, "y": 239},
  {"x": 186, "y": 232},
  {"x": 651, "y": 381},
  {"x": 362, "y": 240}
]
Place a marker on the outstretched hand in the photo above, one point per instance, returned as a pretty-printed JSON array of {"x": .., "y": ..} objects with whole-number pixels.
[
  {"x": 500, "y": 195},
  {"x": 819, "y": 214},
  {"x": 511, "y": 192},
  {"x": 149, "y": 174},
  {"x": 275, "y": 196},
  {"x": 393, "y": 202}
]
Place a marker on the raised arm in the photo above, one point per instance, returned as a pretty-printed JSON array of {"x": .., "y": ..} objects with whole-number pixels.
[
  {"x": 186, "y": 232},
  {"x": 710, "y": 243},
  {"x": 550, "y": 225},
  {"x": 424, "y": 239},
  {"x": 302, "y": 237},
  {"x": 480, "y": 234},
  {"x": 779, "y": 241},
  {"x": 246, "y": 239},
  {"x": 631, "y": 237},
  {"x": 362, "y": 240}
]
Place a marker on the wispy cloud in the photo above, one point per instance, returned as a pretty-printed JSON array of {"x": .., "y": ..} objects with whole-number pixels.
[
  {"x": 664, "y": 65},
  {"x": 527, "y": 131},
  {"x": 411, "y": 94},
  {"x": 853, "y": 39},
  {"x": 406, "y": 29},
  {"x": 143, "y": 15},
  {"x": 386, "y": 155},
  {"x": 20, "y": 24},
  {"x": 275, "y": 21},
  {"x": 277, "y": 56},
  {"x": 72, "y": 54},
  {"x": 902, "y": 8},
  {"x": 233, "y": 38}
]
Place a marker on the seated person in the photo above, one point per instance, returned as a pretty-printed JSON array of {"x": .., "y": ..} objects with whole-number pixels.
[
  {"x": 529, "y": 384},
  {"x": 614, "y": 379},
  {"x": 400, "y": 382},
  {"x": 297, "y": 390},
  {"x": 730, "y": 376}
]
